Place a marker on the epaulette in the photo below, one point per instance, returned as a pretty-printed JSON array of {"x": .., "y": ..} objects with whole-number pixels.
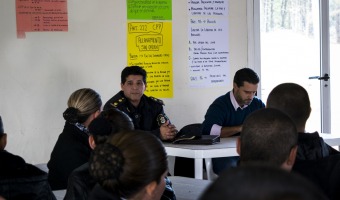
[
  {"x": 121, "y": 100},
  {"x": 157, "y": 100}
]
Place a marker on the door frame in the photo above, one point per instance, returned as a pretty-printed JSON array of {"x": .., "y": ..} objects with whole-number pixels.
[{"x": 254, "y": 54}]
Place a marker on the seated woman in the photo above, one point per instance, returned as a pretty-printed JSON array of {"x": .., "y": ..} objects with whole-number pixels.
[
  {"x": 72, "y": 148},
  {"x": 109, "y": 122},
  {"x": 131, "y": 165}
]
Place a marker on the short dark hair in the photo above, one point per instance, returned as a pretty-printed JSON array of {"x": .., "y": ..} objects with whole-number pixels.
[
  {"x": 293, "y": 100},
  {"x": 246, "y": 75},
  {"x": 109, "y": 122},
  {"x": 129, "y": 161},
  {"x": 132, "y": 70},
  {"x": 268, "y": 135},
  {"x": 261, "y": 183}
]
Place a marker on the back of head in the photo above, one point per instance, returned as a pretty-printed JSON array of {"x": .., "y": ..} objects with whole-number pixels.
[
  {"x": 246, "y": 75},
  {"x": 109, "y": 122},
  {"x": 128, "y": 162},
  {"x": 292, "y": 99},
  {"x": 81, "y": 104},
  {"x": 132, "y": 70},
  {"x": 261, "y": 183},
  {"x": 268, "y": 136}
]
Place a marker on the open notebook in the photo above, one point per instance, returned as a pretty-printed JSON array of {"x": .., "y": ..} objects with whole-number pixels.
[{"x": 202, "y": 139}]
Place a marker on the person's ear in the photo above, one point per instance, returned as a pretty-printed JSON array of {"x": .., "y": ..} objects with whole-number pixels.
[
  {"x": 292, "y": 156},
  {"x": 235, "y": 85},
  {"x": 238, "y": 146},
  {"x": 310, "y": 111},
  {"x": 97, "y": 113},
  {"x": 3, "y": 141},
  {"x": 150, "y": 188},
  {"x": 91, "y": 142},
  {"x": 121, "y": 86},
  {"x": 288, "y": 164}
]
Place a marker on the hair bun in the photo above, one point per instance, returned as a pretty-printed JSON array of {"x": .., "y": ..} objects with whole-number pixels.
[
  {"x": 71, "y": 115},
  {"x": 106, "y": 163}
]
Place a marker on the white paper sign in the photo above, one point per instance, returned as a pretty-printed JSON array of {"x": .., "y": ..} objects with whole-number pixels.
[{"x": 208, "y": 33}]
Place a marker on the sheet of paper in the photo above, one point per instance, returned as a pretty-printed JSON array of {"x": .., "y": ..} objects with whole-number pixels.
[
  {"x": 208, "y": 33},
  {"x": 149, "y": 39},
  {"x": 149, "y": 10},
  {"x": 150, "y": 46},
  {"x": 41, "y": 15}
]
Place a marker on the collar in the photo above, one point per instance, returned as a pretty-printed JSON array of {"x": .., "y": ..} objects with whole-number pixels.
[
  {"x": 131, "y": 108},
  {"x": 82, "y": 128},
  {"x": 234, "y": 102}
]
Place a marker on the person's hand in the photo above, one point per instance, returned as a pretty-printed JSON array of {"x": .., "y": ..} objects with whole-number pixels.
[{"x": 168, "y": 131}]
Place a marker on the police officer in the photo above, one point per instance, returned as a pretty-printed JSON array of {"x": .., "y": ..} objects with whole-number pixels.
[{"x": 146, "y": 112}]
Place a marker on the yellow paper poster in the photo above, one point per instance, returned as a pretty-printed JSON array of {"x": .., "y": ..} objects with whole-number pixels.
[{"x": 150, "y": 46}]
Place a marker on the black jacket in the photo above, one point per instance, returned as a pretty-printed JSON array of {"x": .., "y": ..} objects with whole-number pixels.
[
  {"x": 324, "y": 172},
  {"x": 19, "y": 180},
  {"x": 318, "y": 162},
  {"x": 80, "y": 183},
  {"x": 71, "y": 150},
  {"x": 100, "y": 193},
  {"x": 144, "y": 116},
  {"x": 311, "y": 146}
]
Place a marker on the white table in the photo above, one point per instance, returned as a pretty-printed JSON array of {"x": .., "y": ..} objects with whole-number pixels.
[
  {"x": 188, "y": 188},
  {"x": 59, "y": 194},
  {"x": 226, "y": 148},
  {"x": 331, "y": 139}
]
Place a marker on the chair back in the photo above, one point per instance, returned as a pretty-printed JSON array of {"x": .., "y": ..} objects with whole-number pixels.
[
  {"x": 191, "y": 130},
  {"x": 186, "y": 166}
]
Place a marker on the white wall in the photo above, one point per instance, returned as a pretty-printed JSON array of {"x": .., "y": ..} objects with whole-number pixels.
[{"x": 37, "y": 74}]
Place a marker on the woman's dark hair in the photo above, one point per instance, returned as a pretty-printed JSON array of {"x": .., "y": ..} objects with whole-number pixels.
[
  {"x": 81, "y": 104},
  {"x": 133, "y": 70},
  {"x": 128, "y": 162},
  {"x": 109, "y": 122}
]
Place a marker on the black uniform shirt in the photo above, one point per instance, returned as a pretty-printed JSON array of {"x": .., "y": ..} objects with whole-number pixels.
[{"x": 144, "y": 116}]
